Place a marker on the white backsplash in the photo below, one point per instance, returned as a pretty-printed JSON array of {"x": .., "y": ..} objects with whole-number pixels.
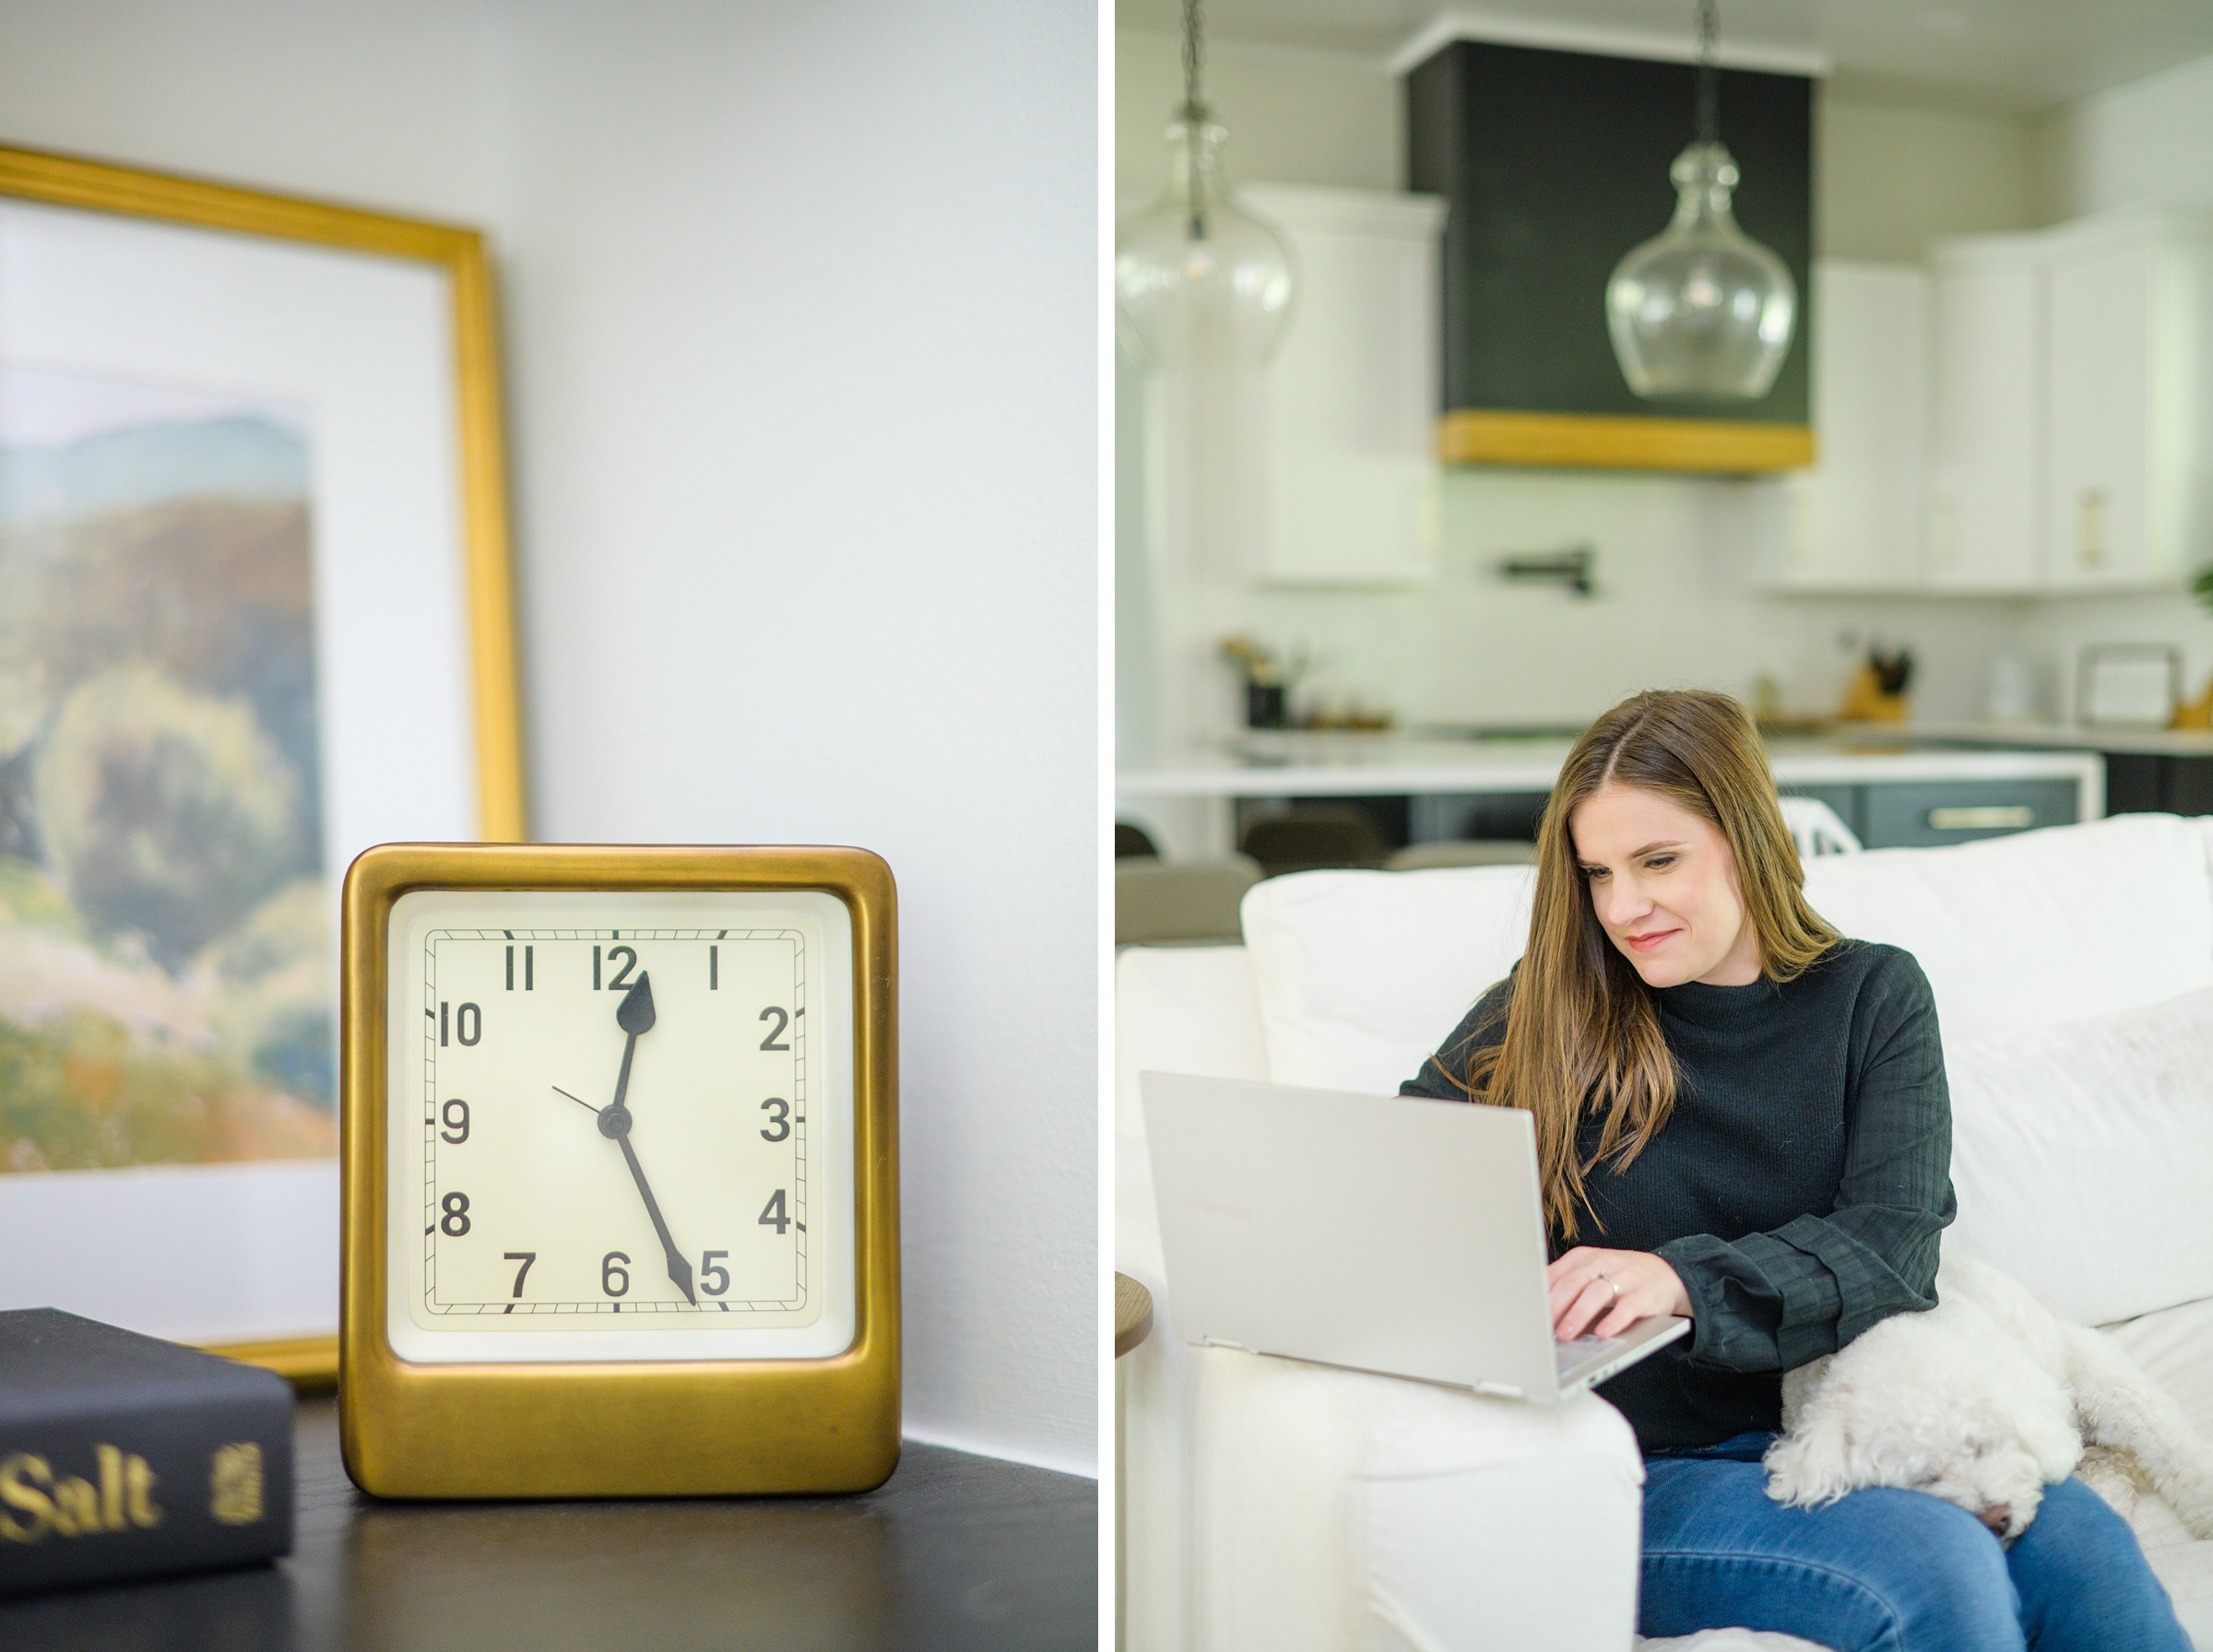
[{"x": 1677, "y": 605}]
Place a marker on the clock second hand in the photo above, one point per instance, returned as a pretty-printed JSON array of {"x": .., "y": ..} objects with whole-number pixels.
[{"x": 635, "y": 1015}]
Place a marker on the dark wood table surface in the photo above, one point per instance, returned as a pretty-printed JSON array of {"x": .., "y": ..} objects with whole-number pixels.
[{"x": 954, "y": 1550}]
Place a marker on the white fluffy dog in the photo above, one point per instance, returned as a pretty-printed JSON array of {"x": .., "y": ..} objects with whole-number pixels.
[{"x": 1984, "y": 1401}]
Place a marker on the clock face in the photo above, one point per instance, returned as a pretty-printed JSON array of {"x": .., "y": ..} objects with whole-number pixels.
[{"x": 619, "y": 1126}]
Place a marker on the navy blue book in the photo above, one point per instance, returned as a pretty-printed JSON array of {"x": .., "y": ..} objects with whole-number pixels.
[{"x": 122, "y": 1455}]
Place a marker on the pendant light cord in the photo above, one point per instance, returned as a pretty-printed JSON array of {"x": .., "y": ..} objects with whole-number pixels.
[
  {"x": 1710, "y": 88},
  {"x": 1194, "y": 116},
  {"x": 1193, "y": 59}
]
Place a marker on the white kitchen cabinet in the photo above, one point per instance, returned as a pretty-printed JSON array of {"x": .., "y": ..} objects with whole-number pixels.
[
  {"x": 1857, "y": 517},
  {"x": 1351, "y": 489},
  {"x": 2128, "y": 366},
  {"x": 2059, "y": 438},
  {"x": 1985, "y": 526}
]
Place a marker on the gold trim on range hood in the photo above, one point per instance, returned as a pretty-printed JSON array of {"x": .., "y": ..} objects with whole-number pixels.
[{"x": 1605, "y": 442}]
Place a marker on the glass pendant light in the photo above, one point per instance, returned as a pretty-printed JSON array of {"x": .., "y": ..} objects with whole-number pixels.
[
  {"x": 1702, "y": 312},
  {"x": 1199, "y": 281}
]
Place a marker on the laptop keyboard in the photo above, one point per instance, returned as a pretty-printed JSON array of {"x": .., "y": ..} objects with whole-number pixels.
[{"x": 1567, "y": 1356}]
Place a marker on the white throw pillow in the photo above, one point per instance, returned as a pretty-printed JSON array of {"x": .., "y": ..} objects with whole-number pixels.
[
  {"x": 1361, "y": 975},
  {"x": 2082, "y": 1154}
]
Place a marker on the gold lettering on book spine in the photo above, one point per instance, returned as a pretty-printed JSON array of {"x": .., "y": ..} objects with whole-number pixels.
[
  {"x": 71, "y": 1507},
  {"x": 75, "y": 1507},
  {"x": 15, "y": 1489},
  {"x": 110, "y": 1487},
  {"x": 234, "y": 1483},
  {"x": 138, "y": 1491}
]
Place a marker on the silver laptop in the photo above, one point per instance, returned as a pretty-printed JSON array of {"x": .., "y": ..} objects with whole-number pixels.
[{"x": 1389, "y": 1234}]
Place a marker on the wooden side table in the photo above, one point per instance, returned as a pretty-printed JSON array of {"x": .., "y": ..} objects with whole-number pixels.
[
  {"x": 954, "y": 1550},
  {"x": 1132, "y": 1325},
  {"x": 1133, "y": 1314}
]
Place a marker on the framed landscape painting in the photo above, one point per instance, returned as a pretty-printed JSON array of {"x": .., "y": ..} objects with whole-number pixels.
[{"x": 254, "y": 616}]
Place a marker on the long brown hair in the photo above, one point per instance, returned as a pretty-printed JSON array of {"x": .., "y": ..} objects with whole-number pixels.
[{"x": 1582, "y": 1029}]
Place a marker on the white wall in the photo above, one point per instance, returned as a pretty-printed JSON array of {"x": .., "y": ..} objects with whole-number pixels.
[
  {"x": 2143, "y": 143},
  {"x": 1678, "y": 602},
  {"x": 396, "y": 104},
  {"x": 1891, "y": 177},
  {"x": 1293, "y": 115},
  {"x": 801, "y": 342}
]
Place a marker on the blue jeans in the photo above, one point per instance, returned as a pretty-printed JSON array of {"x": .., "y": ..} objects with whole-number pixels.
[{"x": 1883, "y": 1570}]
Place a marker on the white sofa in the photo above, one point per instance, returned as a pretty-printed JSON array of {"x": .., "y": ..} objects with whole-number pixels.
[{"x": 1270, "y": 1506}]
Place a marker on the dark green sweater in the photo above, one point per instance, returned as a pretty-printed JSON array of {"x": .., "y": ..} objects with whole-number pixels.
[{"x": 1798, "y": 1187}]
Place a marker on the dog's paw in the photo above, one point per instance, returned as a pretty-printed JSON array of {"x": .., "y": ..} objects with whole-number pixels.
[
  {"x": 2114, "y": 1475},
  {"x": 1802, "y": 1475}
]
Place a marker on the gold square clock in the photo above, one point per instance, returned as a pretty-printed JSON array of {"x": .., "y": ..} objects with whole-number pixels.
[{"x": 620, "y": 1164}]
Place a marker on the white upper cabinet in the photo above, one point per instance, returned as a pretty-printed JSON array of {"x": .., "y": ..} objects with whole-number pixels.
[
  {"x": 2128, "y": 371},
  {"x": 1856, "y": 518},
  {"x": 1351, "y": 394},
  {"x": 2049, "y": 424},
  {"x": 1985, "y": 521}
]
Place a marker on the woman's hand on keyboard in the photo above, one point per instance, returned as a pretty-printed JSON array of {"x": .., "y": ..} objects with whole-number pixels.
[{"x": 1581, "y": 1302}]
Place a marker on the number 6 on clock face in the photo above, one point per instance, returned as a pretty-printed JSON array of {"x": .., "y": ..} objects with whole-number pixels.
[{"x": 621, "y": 1129}]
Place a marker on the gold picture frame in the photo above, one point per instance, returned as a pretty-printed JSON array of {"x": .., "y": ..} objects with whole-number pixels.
[
  {"x": 631, "y": 1427},
  {"x": 62, "y": 180},
  {"x": 96, "y": 186}
]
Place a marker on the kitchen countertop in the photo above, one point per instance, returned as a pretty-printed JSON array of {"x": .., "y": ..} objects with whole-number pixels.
[
  {"x": 1269, "y": 763},
  {"x": 2148, "y": 742}
]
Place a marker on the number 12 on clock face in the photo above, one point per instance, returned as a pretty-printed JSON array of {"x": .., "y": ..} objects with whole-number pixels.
[{"x": 621, "y": 1127}]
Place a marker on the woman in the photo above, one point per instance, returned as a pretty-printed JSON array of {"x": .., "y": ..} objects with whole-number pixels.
[{"x": 1741, "y": 1117}]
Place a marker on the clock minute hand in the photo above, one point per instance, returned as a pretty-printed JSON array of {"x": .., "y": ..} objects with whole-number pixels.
[
  {"x": 680, "y": 1269},
  {"x": 634, "y": 1016}
]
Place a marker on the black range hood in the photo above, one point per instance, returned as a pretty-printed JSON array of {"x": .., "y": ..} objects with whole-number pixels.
[{"x": 1555, "y": 164}]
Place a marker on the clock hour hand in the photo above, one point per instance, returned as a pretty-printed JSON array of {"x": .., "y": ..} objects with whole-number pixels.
[{"x": 634, "y": 1016}]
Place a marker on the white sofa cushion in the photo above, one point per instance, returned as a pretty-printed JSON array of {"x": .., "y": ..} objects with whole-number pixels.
[
  {"x": 2082, "y": 1154},
  {"x": 1361, "y": 975},
  {"x": 2041, "y": 928},
  {"x": 1177, "y": 1010},
  {"x": 2175, "y": 1347},
  {"x": 1340, "y": 1512},
  {"x": 1182, "y": 1009}
]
